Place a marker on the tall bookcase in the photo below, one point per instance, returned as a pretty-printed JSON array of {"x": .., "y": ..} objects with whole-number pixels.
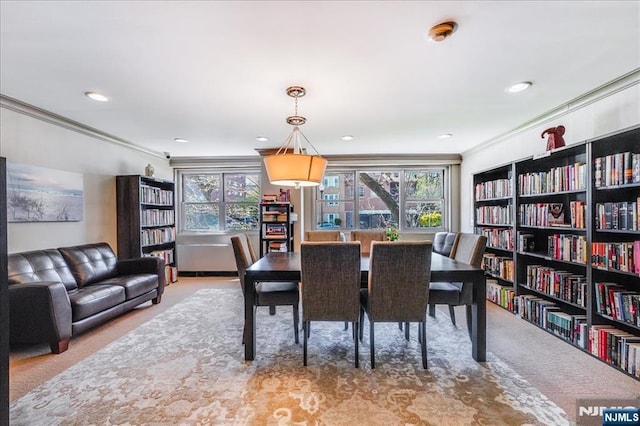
[
  {"x": 146, "y": 219},
  {"x": 576, "y": 244},
  {"x": 276, "y": 227}
]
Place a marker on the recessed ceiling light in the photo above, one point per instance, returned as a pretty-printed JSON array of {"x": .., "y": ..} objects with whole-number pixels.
[
  {"x": 347, "y": 138},
  {"x": 97, "y": 96},
  {"x": 262, "y": 139},
  {"x": 445, "y": 135},
  {"x": 519, "y": 87},
  {"x": 180, "y": 140}
]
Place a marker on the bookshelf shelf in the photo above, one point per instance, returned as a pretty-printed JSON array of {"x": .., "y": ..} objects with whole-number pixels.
[
  {"x": 146, "y": 220},
  {"x": 592, "y": 190}
]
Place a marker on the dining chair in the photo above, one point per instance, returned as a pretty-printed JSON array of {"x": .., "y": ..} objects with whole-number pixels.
[
  {"x": 330, "y": 286},
  {"x": 268, "y": 293},
  {"x": 322, "y": 236},
  {"x": 469, "y": 249},
  {"x": 443, "y": 243},
  {"x": 365, "y": 237},
  {"x": 398, "y": 288},
  {"x": 252, "y": 252}
]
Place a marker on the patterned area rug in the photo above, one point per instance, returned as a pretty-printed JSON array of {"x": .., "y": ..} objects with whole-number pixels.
[{"x": 186, "y": 367}]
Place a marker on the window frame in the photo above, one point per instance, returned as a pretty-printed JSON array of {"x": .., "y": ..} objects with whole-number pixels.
[{"x": 221, "y": 204}]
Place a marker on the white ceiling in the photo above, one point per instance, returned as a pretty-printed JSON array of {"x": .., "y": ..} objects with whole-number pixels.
[{"x": 215, "y": 72}]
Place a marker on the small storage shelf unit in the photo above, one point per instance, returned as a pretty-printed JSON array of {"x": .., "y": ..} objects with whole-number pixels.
[
  {"x": 146, "y": 220},
  {"x": 576, "y": 244},
  {"x": 276, "y": 228}
]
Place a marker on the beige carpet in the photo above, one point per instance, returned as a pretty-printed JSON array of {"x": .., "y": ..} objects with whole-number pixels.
[{"x": 185, "y": 366}]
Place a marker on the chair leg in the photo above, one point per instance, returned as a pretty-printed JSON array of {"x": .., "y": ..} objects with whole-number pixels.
[
  {"x": 406, "y": 330},
  {"x": 346, "y": 325},
  {"x": 432, "y": 310},
  {"x": 400, "y": 325},
  {"x": 305, "y": 327},
  {"x": 361, "y": 322},
  {"x": 272, "y": 310},
  {"x": 296, "y": 321},
  {"x": 452, "y": 314},
  {"x": 469, "y": 320},
  {"x": 372, "y": 345},
  {"x": 356, "y": 326},
  {"x": 422, "y": 330}
]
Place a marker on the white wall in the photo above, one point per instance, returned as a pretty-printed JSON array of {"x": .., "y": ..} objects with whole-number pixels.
[
  {"x": 32, "y": 137},
  {"x": 617, "y": 111}
]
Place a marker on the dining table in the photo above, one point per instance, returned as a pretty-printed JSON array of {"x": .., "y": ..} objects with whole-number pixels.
[{"x": 285, "y": 266}]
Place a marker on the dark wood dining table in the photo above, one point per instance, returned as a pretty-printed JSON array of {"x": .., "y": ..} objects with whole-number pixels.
[{"x": 277, "y": 266}]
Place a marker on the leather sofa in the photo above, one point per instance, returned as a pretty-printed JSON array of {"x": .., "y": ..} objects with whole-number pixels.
[{"x": 57, "y": 293}]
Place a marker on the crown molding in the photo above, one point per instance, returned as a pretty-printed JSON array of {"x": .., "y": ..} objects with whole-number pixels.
[{"x": 66, "y": 123}]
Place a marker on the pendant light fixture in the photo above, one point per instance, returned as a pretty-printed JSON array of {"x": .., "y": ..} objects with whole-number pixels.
[{"x": 291, "y": 165}]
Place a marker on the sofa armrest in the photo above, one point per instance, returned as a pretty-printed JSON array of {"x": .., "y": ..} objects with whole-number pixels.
[
  {"x": 144, "y": 265},
  {"x": 40, "y": 312}
]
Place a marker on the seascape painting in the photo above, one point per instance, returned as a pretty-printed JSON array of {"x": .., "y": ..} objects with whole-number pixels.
[{"x": 39, "y": 194}]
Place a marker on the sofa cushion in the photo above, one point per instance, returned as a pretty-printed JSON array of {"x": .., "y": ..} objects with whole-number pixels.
[
  {"x": 40, "y": 265},
  {"x": 90, "y": 263},
  {"x": 134, "y": 285},
  {"x": 91, "y": 299}
]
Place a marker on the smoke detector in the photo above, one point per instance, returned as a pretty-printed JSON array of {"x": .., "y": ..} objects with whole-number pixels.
[{"x": 439, "y": 32}]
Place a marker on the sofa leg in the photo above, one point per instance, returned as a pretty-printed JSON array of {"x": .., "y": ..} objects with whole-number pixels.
[
  {"x": 59, "y": 347},
  {"x": 156, "y": 300}
]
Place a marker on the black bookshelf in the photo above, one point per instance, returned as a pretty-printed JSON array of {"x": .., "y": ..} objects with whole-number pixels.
[{"x": 564, "y": 257}]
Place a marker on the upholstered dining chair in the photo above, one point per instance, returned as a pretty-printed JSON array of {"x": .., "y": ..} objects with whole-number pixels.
[
  {"x": 330, "y": 286},
  {"x": 469, "y": 249},
  {"x": 268, "y": 293},
  {"x": 365, "y": 237},
  {"x": 322, "y": 236},
  {"x": 443, "y": 243},
  {"x": 398, "y": 288},
  {"x": 252, "y": 252}
]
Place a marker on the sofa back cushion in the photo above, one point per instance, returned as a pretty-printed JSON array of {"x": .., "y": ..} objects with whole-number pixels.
[
  {"x": 40, "y": 265},
  {"x": 90, "y": 263}
]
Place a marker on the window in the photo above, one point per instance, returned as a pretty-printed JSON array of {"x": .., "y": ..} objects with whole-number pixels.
[
  {"x": 219, "y": 201},
  {"x": 411, "y": 200}
]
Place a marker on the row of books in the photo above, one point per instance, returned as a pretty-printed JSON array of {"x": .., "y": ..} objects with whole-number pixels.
[
  {"x": 617, "y": 169},
  {"x": 170, "y": 274},
  {"x": 549, "y": 316},
  {"x": 280, "y": 246},
  {"x": 557, "y": 179},
  {"x": 615, "y": 347},
  {"x": 623, "y": 256},
  {"x": 274, "y": 216},
  {"x": 283, "y": 196},
  {"x": 617, "y": 302},
  {"x": 499, "y": 188},
  {"x": 567, "y": 247},
  {"x": 563, "y": 285},
  {"x": 494, "y": 215},
  {"x": 542, "y": 214},
  {"x": 275, "y": 230},
  {"x": 498, "y": 266},
  {"x": 498, "y": 238},
  {"x": 150, "y": 237},
  {"x": 157, "y": 217},
  {"x": 152, "y": 195},
  {"x": 166, "y": 255},
  {"x": 622, "y": 215},
  {"x": 526, "y": 242},
  {"x": 502, "y": 295}
]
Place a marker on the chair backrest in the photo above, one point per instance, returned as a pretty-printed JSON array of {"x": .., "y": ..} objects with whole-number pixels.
[
  {"x": 399, "y": 276},
  {"x": 242, "y": 261},
  {"x": 322, "y": 236},
  {"x": 365, "y": 238},
  {"x": 469, "y": 248},
  {"x": 252, "y": 252},
  {"x": 330, "y": 281},
  {"x": 443, "y": 242}
]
